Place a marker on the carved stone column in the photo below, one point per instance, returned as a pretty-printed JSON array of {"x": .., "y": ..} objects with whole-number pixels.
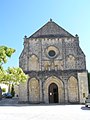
[
  {"x": 41, "y": 94},
  {"x": 66, "y": 91}
]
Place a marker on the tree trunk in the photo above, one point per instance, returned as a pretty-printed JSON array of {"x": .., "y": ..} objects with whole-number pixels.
[{"x": 9, "y": 89}]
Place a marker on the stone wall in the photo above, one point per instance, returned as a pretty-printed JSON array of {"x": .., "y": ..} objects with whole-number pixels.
[
  {"x": 83, "y": 86},
  {"x": 68, "y": 54},
  {"x": 68, "y": 79},
  {"x": 16, "y": 88},
  {"x": 53, "y": 58},
  {"x": 23, "y": 92},
  {"x": 73, "y": 90},
  {"x": 34, "y": 91}
]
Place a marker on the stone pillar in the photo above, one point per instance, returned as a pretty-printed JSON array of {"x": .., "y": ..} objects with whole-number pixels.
[
  {"x": 66, "y": 91},
  {"x": 41, "y": 94},
  {"x": 83, "y": 86}
]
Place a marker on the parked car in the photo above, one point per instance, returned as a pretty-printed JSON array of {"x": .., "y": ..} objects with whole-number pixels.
[
  {"x": 7, "y": 95},
  {"x": 87, "y": 101}
]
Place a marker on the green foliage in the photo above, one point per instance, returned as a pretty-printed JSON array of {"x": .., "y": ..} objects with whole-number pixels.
[
  {"x": 4, "y": 53},
  {"x": 2, "y": 74},
  {"x": 14, "y": 76},
  {"x": 11, "y": 75},
  {"x": 3, "y": 89}
]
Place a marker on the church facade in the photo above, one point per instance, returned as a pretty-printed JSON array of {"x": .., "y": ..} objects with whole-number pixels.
[{"x": 56, "y": 65}]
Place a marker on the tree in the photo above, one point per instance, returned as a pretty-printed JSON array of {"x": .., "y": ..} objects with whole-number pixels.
[
  {"x": 14, "y": 76},
  {"x": 5, "y": 52},
  {"x": 11, "y": 75},
  {"x": 2, "y": 74}
]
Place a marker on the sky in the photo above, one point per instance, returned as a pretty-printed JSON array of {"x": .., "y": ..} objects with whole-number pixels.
[{"x": 24, "y": 17}]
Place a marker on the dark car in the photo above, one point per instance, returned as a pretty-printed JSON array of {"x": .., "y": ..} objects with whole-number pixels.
[{"x": 7, "y": 95}]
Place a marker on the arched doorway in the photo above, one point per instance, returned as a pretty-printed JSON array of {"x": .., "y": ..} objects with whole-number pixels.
[
  {"x": 59, "y": 88},
  {"x": 53, "y": 93}
]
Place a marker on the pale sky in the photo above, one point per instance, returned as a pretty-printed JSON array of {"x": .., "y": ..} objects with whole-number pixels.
[{"x": 24, "y": 17}]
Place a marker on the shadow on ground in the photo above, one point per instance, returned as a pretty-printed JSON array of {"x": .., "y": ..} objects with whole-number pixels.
[{"x": 85, "y": 108}]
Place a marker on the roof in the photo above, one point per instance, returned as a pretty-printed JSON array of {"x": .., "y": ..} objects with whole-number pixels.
[{"x": 51, "y": 29}]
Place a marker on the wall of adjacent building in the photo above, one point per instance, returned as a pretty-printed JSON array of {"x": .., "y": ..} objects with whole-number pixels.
[{"x": 23, "y": 92}]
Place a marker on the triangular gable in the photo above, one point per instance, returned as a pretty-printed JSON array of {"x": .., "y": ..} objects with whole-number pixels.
[{"x": 51, "y": 29}]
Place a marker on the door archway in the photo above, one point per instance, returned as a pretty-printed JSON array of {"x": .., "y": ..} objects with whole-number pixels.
[
  {"x": 53, "y": 93},
  {"x": 60, "y": 89}
]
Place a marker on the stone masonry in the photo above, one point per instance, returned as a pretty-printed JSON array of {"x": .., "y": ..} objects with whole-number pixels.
[{"x": 56, "y": 65}]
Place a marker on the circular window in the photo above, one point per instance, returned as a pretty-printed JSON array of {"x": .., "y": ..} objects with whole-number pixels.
[{"x": 51, "y": 53}]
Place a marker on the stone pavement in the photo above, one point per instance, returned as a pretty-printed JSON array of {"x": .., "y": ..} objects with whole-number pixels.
[
  {"x": 14, "y": 111},
  {"x": 52, "y": 112},
  {"x": 8, "y": 101}
]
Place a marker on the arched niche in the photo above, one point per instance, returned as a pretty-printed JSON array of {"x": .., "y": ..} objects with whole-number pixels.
[
  {"x": 33, "y": 63},
  {"x": 72, "y": 89},
  {"x": 70, "y": 62},
  {"x": 34, "y": 90}
]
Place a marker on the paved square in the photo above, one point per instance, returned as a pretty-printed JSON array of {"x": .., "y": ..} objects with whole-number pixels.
[{"x": 44, "y": 112}]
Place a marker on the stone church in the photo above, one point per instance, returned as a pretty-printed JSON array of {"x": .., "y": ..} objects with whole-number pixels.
[{"x": 56, "y": 65}]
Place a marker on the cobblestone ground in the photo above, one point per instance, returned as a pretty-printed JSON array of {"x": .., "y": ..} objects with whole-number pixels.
[{"x": 10, "y": 110}]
